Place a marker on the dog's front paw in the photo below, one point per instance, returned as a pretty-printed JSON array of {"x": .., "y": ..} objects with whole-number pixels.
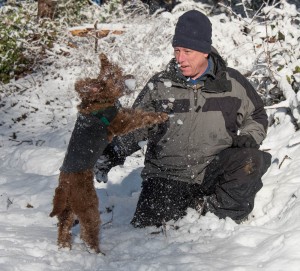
[
  {"x": 164, "y": 117},
  {"x": 152, "y": 118}
]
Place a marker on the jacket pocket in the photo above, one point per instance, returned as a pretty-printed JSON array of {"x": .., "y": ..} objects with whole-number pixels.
[{"x": 229, "y": 107}]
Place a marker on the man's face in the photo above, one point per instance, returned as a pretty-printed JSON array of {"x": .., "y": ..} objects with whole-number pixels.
[{"x": 191, "y": 63}]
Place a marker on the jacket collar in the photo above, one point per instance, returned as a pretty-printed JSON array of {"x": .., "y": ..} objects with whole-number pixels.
[{"x": 209, "y": 72}]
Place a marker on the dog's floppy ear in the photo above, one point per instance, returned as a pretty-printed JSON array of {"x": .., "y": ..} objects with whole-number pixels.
[
  {"x": 80, "y": 86},
  {"x": 108, "y": 69},
  {"x": 84, "y": 86},
  {"x": 104, "y": 61}
]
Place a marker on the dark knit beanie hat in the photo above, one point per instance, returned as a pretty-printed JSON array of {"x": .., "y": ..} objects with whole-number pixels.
[{"x": 193, "y": 31}]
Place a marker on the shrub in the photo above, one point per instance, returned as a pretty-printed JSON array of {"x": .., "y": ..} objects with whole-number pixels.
[{"x": 24, "y": 40}]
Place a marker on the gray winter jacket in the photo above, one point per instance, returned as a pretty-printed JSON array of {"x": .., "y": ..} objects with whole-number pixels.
[{"x": 203, "y": 119}]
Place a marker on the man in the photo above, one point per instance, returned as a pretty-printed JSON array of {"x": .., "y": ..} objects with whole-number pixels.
[{"x": 206, "y": 155}]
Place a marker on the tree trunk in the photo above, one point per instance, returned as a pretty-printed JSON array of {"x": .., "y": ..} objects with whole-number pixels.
[{"x": 47, "y": 8}]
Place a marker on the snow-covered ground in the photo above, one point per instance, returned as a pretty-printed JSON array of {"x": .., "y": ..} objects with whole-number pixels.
[{"x": 36, "y": 121}]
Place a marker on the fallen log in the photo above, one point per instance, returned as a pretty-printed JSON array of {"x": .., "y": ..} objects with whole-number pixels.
[{"x": 99, "y": 33}]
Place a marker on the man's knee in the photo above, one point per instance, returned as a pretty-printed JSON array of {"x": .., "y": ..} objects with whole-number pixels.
[
  {"x": 257, "y": 161},
  {"x": 250, "y": 160}
]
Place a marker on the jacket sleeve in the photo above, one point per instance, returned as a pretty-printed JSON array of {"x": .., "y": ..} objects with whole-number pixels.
[
  {"x": 253, "y": 119},
  {"x": 144, "y": 100},
  {"x": 127, "y": 144}
]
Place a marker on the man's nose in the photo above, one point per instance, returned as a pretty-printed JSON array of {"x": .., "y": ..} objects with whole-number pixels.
[{"x": 180, "y": 57}]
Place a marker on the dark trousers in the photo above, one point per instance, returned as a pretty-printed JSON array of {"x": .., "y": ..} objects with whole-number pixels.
[
  {"x": 232, "y": 180},
  {"x": 230, "y": 184}
]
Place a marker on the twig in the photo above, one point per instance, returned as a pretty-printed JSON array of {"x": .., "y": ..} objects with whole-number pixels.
[
  {"x": 257, "y": 12},
  {"x": 9, "y": 202},
  {"x": 111, "y": 219},
  {"x": 232, "y": 12},
  {"x": 284, "y": 158},
  {"x": 164, "y": 228},
  {"x": 245, "y": 9},
  {"x": 96, "y": 38}
]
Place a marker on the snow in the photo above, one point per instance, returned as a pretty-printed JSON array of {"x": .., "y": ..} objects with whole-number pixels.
[
  {"x": 130, "y": 84},
  {"x": 36, "y": 119}
]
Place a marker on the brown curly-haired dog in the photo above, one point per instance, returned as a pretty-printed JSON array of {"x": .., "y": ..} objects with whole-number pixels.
[{"x": 75, "y": 195}]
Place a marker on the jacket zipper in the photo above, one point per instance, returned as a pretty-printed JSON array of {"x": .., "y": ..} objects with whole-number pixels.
[
  {"x": 196, "y": 88},
  {"x": 195, "y": 98},
  {"x": 195, "y": 95}
]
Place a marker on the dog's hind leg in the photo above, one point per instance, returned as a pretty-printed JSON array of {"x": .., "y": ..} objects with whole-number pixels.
[
  {"x": 65, "y": 222},
  {"x": 63, "y": 211},
  {"x": 90, "y": 228},
  {"x": 84, "y": 202}
]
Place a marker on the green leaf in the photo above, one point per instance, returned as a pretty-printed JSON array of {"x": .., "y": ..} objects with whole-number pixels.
[{"x": 297, "y": 70}]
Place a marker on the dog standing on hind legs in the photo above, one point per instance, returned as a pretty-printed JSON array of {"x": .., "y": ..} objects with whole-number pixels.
[{"x": 99, "y": 120}]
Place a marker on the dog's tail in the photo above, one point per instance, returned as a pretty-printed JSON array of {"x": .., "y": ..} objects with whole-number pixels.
[{"x": 61, "y": 195}]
